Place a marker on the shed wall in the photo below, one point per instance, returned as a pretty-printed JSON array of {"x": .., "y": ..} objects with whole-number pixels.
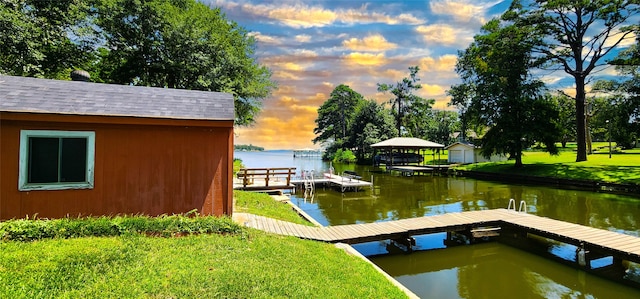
[{"x": 149, "y": 169}]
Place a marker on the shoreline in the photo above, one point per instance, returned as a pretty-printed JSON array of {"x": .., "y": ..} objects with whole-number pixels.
[{"x": 565, "y": 183}]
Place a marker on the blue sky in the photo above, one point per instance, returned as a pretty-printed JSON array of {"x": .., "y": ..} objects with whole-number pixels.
[{"x": 313, "y": 46}]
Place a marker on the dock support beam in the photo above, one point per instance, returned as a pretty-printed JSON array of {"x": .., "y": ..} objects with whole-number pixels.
[{"x": 408, "y": 242}]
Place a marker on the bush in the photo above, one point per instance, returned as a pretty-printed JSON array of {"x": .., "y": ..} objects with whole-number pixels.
[
  {"x": 344, "y": 156},
  {"x": 64, "y": 228}
]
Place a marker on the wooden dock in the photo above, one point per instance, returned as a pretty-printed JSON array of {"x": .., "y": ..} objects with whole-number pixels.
[
  {"x": 260, "y": 179},
  {"x": 511, "y": 226},
  {"x": 409, "y": 170},
  {"x": 343, "y": 183}
]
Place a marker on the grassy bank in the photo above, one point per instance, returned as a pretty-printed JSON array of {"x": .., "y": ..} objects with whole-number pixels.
[
  {"x": 249, "y": 265},
  {"x": 135, "y": 264},
  {"x": 621, "y": 168},
  {"x": 263, "y": 205}
]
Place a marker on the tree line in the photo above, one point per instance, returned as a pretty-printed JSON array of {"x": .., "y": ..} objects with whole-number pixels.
[
  {"x": 502, "y": 97},
  {"x": 162, "y": 43},
  {"x": 347, "y": 122}
]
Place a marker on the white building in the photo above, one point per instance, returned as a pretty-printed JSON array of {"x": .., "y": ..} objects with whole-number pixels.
[{"x": 465, "y": 153}]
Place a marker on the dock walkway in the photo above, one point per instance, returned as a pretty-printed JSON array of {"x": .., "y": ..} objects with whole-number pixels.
[{"x": 620, "y": 245}]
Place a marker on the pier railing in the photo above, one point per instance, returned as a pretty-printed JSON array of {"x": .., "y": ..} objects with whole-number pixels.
[{"x": 248, "y": 175}]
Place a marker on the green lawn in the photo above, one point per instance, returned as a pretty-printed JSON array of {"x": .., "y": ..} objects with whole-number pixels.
[
  {"x": 263, "y": 205},
  {"x": 620, "y": 168},
  {"x": 249, "y": 265},
  {"x": 238, "y": 264}
]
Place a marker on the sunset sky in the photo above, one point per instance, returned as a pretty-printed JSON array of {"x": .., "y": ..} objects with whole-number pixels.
[{"x": 313, "y": 46}]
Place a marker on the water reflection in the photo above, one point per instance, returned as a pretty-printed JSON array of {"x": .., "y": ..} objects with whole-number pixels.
[{"x": 493, "y": 270}]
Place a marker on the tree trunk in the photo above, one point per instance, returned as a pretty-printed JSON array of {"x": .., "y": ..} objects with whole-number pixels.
[
  {"x": 518, "y": 157},
  {"x": 580, "y": 120}
]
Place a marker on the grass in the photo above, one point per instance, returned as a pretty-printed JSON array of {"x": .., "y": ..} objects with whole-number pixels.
[
  {"x": 264, "y": 205},
  {"x": 621, "y": 168},
  {"x": 245, "y": 263},
  {"x": 250, "y": 265}
]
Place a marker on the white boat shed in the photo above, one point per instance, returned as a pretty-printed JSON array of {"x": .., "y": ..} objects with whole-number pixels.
[{"x": 465, "y": 153}]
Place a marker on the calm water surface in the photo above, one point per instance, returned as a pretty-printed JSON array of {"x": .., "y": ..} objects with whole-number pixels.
[{"x": 489, "y": 270}]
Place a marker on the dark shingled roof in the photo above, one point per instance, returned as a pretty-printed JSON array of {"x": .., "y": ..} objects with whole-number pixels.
[{"x": 32, "y": 95}]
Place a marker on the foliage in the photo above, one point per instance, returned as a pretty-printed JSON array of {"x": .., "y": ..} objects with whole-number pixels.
[
  {"x": 237, "y": 165},
  {"x": 371, "y": 124},
  {"x": 334, "y": 117},
  {"x": 162, "y": 43},
  {"x": 263, "y": 205},
  {"x": 439, "y": 126},
  {"x": 623, "y": 112},
  {"x": 408, "y": 108},
  {"x": 576, "y": 36},
  {"x": 250, "y": 147},
  {"x": 181, "y": 44},
  {"x": 43, "y": 38},
  {"x": 566, "y": 116},
  {"x": 35, "y": 229},
  {"x": 252, "y": 265},
  {"x": 344, "y": 156},
  {"x": 497, "y": 91}
]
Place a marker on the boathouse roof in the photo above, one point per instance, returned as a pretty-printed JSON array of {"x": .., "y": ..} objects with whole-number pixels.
[{"x": 407, "y": 142}]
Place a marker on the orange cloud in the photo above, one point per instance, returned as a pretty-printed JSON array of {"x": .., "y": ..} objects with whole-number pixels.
[
  {"x": 304, "y": 16},
  {"x": 445, "y": 63},
  {"x": 278, "y": 132},
  {"x": 294, "y": 16},
  {"x": 285, "y": 75},
  {"x": 367, "y": 59},
  {"x": 374, "y": 43}
]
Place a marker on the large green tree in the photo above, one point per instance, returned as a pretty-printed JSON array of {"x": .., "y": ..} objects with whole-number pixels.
[
  {"x": 440, "y": 125},
  {"x": 566, "y": 116},
  {"x": 180, "y": 44},
  {"x": 406, "y": 106},
  {"x": 43, "y": 38},
  {"x": 499, "y": 92},
  {"x": 334, "y": 117},
  {"x": 577, "y": 36},
  {"x": 371, "y": 124},
  {"x": 162, "y": 43}
]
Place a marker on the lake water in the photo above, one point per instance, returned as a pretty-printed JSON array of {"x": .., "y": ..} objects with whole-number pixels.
[{"x": 489, "y": 270}]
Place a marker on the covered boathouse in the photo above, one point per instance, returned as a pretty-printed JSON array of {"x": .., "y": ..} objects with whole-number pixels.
[{"x": 73, "y": 148}]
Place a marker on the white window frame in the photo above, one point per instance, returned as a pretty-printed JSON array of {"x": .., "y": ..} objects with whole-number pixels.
[{"x": 23, "y": 182}]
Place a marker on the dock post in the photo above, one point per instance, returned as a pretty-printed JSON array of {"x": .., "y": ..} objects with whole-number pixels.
[{"x": 266, "y": 179}]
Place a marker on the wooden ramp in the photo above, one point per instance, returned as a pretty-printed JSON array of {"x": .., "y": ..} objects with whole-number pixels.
[{"x": 621, "y": 245}]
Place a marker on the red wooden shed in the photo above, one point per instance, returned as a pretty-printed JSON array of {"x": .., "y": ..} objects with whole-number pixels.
[{"x": 70, "y": 148}]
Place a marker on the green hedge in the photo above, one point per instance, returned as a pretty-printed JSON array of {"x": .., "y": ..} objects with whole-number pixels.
[{"x": 64, "y": 228}]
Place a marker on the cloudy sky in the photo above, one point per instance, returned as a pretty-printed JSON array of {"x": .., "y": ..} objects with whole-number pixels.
[{"x": 313, "y": 46}]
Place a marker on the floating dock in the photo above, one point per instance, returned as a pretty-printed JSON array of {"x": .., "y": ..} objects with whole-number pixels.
[
  {"x": 409, "y": 170},
  {"x": 344, "y": 183},
  {"x": 507, "y": 226}
]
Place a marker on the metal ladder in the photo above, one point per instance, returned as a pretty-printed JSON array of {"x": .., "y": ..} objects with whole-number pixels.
[
  {"x": 512, "y": 206},
  {"x": 309, "y": 182}
]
